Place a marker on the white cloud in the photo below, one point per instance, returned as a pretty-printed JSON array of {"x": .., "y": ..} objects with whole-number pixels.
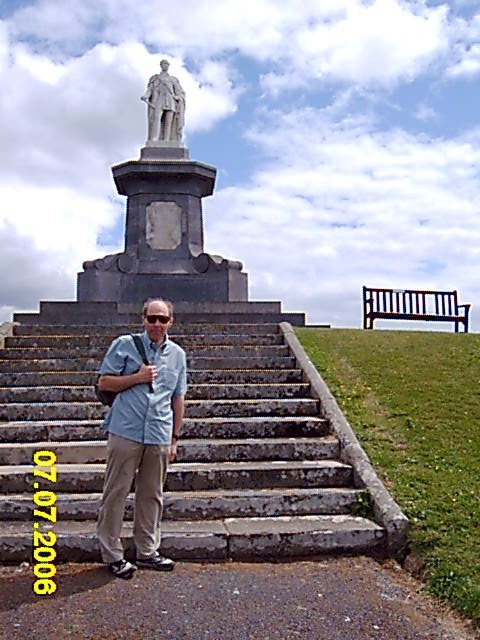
[
  {"x": 425, "y": 113},
  {"x": 343, "y": 40},
  {"x": 468, "y": 65},
  {"x": 376, "y": 43},
  {"x": 353, "y": 206}
]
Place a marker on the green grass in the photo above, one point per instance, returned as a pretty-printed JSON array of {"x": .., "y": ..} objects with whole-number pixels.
[{"x": 413, "y": 400}]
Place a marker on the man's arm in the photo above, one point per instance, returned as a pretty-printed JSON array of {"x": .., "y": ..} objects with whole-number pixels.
[
  {"x": 144, "y": 375},
  {"x": 178, "y": 407}
]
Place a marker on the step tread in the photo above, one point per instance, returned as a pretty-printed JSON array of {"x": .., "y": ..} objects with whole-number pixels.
[
  {"x": 191, "y": 466},
  {"x": 233, "y": 526},
  {"x": 208, "y": 442},
  {"x": 200, "y": 493}
]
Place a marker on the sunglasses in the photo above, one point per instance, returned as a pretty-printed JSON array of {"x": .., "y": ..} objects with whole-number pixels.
[{"x": 154, "y": 318}]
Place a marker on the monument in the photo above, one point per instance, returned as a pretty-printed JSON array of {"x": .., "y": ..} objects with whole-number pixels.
[
  {"x": 164, "y": 247},
  {"x": 164, "y": 252}
]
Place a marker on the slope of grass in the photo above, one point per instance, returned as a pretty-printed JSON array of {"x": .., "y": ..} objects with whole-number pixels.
[{"x": 413, "y": 399}]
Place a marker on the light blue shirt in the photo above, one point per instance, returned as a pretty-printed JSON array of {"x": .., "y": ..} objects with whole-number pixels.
[{"x": 138, "y": 414}]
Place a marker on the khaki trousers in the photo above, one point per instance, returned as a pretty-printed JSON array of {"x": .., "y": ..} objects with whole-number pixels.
[{"x": 147, "y": 465}]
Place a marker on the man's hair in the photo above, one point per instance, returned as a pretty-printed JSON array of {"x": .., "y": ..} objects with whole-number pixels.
[{"x": 166, "y": 302}]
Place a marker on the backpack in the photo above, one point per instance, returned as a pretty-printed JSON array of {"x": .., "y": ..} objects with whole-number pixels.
[{"x": 107, "y": 397}]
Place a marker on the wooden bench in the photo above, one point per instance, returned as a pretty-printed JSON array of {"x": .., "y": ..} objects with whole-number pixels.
[{"x": 408, "y": 304}]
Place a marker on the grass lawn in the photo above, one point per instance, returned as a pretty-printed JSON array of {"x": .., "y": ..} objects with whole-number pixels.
[{"x": 413, "y": 400}]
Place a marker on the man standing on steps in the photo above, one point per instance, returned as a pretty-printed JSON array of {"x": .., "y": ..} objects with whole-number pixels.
[{"x": 143, "y": 427}]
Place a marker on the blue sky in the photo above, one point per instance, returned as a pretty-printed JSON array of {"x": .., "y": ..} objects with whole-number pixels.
[{"x": 345, "y": 134}]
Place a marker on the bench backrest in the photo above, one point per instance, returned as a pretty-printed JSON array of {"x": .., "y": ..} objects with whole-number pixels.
[{"x": 410, "y": 302}]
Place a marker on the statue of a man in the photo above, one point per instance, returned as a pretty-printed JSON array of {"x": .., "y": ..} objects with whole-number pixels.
[{"x": 166, "y": 106}]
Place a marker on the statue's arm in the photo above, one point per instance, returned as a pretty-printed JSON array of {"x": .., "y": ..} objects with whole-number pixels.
[{"x": 148, "y": 91}]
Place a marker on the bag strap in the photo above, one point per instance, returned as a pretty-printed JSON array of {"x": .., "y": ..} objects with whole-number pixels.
[{"x": 141, "y": 350}]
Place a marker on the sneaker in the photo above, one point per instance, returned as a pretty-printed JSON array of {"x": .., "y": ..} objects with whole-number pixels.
[
  {"x": 122, "y": 569},
  {"x": 156, "y": 562}
]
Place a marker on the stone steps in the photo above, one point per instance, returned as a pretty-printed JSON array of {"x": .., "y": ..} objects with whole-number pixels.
[
  {"x": 189, "y": 450},
  {"x": 11, "y": 365},
  {"x": 257, "y": 538},
  {"x": 192, "y": 476},
  {"x": 78, "y": 393},
  {"x": 187, "y": 342},
  {"x": 195, "y": 377},
  {"x": 209, "y": 428},
  {"x": 179, "y": 328},
  {"x": 202, "y": 505},
  {"x": 258, "y": 474},
  {"x": 97, "y": 352},
  {"x": 14, "y": 411}
]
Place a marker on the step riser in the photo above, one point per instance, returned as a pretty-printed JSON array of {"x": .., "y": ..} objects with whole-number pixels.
[
  {"x": 324, "y": 502},
  {"x": 195, "y": 480},
  {"x": 187, "y": 452},
  {"x": 291, "y": 376},
  {"x": 254, "y": 428},
  {"x": 98, "y": 353},
  {"x": 121, "y": 329},
  {"x": 200, "y": 546},
  {"x": 93, "y": 364},
  {"x": 103, "y": 341},
  {"x": 195, "y": 392},
  {"x": 193, "y": 409}
]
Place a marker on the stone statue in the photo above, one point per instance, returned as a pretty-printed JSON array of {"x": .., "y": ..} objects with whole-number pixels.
[{"x": 166, "y": 106}]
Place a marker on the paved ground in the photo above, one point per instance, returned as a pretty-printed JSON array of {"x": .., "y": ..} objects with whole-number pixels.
[{"x": 335, "y": 599}]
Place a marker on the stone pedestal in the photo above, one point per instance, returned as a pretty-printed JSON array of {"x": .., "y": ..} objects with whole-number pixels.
[{"x": 164, "y": 254}]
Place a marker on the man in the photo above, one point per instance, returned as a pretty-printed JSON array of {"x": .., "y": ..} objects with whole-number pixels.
[
  {"x": 144, "y": 424},
  {"x": 166, "y": 106}
]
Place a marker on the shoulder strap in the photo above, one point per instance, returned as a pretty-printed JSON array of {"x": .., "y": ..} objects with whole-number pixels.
[{"x": 140, "y": 348}]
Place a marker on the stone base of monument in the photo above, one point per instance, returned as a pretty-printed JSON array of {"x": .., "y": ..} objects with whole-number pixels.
[
  {"x": 214, "y": 285},
  {"x": 113, "y": 313},
  {"x": 164, "y": 253}
]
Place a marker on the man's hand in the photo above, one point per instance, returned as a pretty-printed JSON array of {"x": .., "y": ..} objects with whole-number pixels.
[
  {"x": 173, "y": 451},
  {"x": 147, "y": 373}
]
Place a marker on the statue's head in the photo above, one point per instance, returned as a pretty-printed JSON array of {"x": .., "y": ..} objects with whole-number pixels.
[{"x": 164, "y": 64}]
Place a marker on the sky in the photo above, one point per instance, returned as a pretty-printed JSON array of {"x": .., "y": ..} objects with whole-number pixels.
[{"x": 345, "y": 133}]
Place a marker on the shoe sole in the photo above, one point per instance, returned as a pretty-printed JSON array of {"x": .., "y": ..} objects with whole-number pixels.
[
  {"x": 126, "y": 575},
  {"x": 140, "y": 565}
]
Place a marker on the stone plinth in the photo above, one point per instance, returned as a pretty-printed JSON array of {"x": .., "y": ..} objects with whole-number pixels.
[{"x": 164, "y": 253}]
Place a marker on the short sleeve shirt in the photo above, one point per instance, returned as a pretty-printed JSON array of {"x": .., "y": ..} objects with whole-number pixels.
[{"x": 138, "y": 414}]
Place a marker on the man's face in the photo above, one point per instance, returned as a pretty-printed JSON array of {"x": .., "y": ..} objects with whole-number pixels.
[
  {"x": 164, "y": 65},
  {"x": 157, "y": 312}
]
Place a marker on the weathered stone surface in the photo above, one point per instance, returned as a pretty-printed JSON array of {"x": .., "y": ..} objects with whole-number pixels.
[
  {"x": 205, "y": 450},
  {"x": 257, "y": 467},
  {"x": 70, "y": 410},
  {"x": 288, "y": 536},
  {"x": 97, "y": 352},
  {"x": 82, "y": 393},
  {"x": 201, "y": 505},
  {"x": 386, "y": 511},
  {"x": 206, "y": 376},
  {"x": 246, "y": 427},
  {"x": 237, "y": 538},
  {"x": 8, "y": 365},
  {"x": 194, "y": 476},
  {"x": 102, "y": 341},
  {"x": 179, "y": 328}
]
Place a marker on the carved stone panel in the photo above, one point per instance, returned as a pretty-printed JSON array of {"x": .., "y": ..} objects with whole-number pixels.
[{"x": 163, "y": 225}]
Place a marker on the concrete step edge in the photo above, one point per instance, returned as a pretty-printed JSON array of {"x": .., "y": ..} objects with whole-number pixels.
[{"x": 231, "y": 538}]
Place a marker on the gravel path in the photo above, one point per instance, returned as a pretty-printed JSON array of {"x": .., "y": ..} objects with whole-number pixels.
[{"x": 331, "y": 598}]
